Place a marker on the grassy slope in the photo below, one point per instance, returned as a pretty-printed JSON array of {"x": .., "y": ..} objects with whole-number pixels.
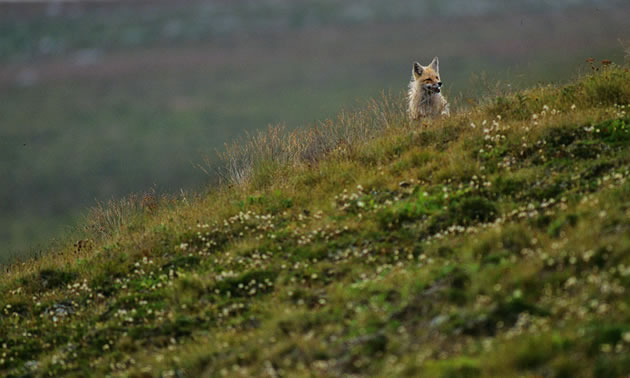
[{"x": 442, "y": 250}]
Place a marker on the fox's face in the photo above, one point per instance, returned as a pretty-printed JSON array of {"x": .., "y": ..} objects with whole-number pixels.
[{"x": 429, "y": 76}]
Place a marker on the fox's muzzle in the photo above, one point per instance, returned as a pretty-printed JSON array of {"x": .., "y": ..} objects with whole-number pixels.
[{"x": 434, "y": 88}]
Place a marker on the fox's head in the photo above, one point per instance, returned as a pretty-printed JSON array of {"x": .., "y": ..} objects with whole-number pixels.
[{"x": 429, "y": 76}]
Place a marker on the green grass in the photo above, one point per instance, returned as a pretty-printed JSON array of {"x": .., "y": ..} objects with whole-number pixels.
[{"x": 495, "y": 242}]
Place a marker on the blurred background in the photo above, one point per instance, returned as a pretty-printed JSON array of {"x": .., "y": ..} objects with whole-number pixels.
[{"x": 99, "y": 99}]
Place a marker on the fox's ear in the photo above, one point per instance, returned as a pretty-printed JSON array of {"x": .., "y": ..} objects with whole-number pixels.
[
  {"x": 435, "y": 64},
  {"x": 417, "y": 70}
]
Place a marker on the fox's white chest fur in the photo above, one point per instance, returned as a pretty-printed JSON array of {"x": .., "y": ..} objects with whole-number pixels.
[
  {"x": 425, "y": 97},
  {"x": 424, "y": 104}
]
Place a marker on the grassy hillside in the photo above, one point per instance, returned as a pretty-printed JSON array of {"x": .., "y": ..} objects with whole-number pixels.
[{"x": 492, "y": 243}]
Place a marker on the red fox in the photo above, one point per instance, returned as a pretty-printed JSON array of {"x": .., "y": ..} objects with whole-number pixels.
[{"x": 425, "y": 98}]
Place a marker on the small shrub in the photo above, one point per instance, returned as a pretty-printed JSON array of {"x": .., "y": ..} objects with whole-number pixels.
[
  {"x": 559, "y": 136},
  {"x": 21, "y": 352},
  {"x": 508, "y": 186},
  {"x": 375, "y": 344},
  {"x": 410, "y": 211},
  {"x": 466, "y": 212},
  {"x": 609, "y": 334},
  {"x": 51, "y": 279},
  {"x": 615, "y": 131},
  {"x": 17, "y": 307},
  {"x": 473, "y": 210},
  {"x": 507, "y": 311},
  {"x": 585, "y": 149},
  {"x": 596, "y": 170}
]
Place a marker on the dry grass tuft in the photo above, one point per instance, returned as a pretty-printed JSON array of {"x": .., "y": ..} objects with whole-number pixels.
[
  {"x": 279, "y": 146},
  {"x": 107, "y": 218}
]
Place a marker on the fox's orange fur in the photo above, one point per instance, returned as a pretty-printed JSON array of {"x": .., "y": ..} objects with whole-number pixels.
[{"x": 425, "y": 97}]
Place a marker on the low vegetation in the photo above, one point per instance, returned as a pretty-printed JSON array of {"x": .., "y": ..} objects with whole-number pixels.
[{"x": 492, "y": 243}]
